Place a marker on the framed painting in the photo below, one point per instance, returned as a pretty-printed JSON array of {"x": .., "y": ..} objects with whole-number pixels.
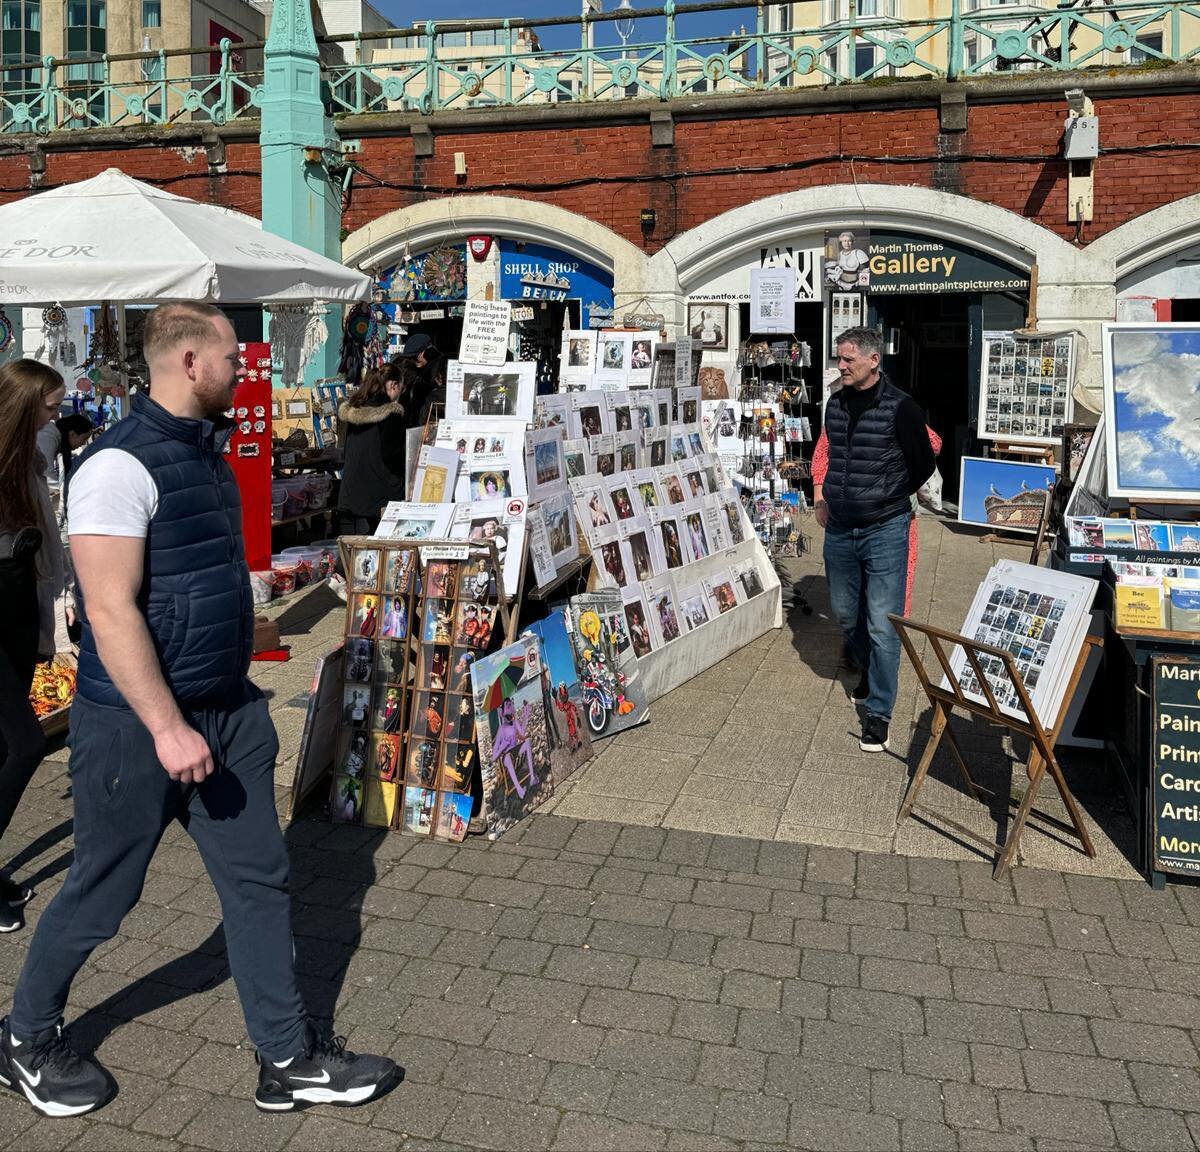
[
  {"x": 1152, "y": 410},
  {"x": 1007, "y": 494}
]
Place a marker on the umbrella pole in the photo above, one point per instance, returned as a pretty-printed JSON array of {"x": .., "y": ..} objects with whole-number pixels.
[{"x": 123, "y": 398}]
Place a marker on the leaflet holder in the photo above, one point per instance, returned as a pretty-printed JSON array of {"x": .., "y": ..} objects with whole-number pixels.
[{"x": 1041, "y": 740}]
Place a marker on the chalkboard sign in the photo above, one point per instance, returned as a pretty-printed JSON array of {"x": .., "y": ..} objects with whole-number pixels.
[{"x": 1175, "y": 785}]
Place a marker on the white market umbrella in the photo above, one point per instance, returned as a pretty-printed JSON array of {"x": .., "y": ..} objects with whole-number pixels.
[{"x": 115, "y": 238}]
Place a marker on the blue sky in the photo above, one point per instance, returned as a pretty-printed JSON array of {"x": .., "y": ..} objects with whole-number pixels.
[
  {"x": 689, "y": 25},
  {"x": 1156, "y": 389}
]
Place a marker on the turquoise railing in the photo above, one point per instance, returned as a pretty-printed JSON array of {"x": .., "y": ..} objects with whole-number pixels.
[{"x": 421, "y": 69}]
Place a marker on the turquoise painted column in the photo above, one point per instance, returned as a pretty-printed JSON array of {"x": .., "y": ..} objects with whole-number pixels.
[{"x": 299, "y": 201}]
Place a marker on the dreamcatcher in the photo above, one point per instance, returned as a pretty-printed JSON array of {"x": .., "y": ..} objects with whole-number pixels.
[
  {"x": 6, "y": 331},
  {"x": 444, "y": 274},
  {"x": 104, "y": 363},
  {"x": 356, "y": 334},
  {"x": 57, "y": 347},
  {"x": 297, "y": 333}
]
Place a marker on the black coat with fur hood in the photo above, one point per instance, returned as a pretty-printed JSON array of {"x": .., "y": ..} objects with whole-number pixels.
[{"x": 373, "y": 472}]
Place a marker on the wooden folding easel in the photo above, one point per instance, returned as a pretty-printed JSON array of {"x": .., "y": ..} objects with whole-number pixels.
[{"x": 1042, "y": 740}]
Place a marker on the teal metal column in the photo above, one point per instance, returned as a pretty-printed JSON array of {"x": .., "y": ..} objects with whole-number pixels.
[{"x": 299, "y": 201}]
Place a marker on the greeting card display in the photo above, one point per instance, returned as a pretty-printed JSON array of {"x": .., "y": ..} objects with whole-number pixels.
[
  {"x": 415, "y": 627},
  {"x": 480, "y": 390},
  {"x": 604, "y": 655},
  {"x": 1026, "y": 387},
  {"x": 563, "y": 697}
]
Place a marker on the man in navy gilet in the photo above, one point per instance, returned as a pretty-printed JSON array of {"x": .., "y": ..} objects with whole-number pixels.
[
  {"x": 166, "y": 726},
  {"x": 879, "y": 455}
]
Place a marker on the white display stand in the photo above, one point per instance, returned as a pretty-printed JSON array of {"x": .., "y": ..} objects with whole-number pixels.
[{"x": 676, "y": 663}]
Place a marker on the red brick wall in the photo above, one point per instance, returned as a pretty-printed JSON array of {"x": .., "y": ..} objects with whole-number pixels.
[{"x": 609, "y": 172}]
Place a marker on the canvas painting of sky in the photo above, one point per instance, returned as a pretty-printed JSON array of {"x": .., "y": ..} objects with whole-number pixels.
[{"x": 1154, "y": 411}]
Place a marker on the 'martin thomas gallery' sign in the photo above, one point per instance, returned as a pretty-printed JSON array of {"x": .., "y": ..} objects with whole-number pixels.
[
  {"x": 902, "y": 263},
  {"x": 1175, "y": 791}
]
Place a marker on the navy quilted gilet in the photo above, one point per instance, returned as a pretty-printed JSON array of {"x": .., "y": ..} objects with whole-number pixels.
[
  {"x": 868, "y": 478},
  {"x": 195, "y": 592}
]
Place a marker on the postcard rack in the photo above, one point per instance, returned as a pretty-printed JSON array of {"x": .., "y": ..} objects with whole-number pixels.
[{"x": 1041, "y": 758}]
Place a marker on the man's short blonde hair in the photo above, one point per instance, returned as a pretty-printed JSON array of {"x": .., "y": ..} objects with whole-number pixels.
[{"x": 170, "y": 325}]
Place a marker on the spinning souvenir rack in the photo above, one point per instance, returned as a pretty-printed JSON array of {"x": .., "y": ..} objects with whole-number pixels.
[{"x": 418, "y": 616}]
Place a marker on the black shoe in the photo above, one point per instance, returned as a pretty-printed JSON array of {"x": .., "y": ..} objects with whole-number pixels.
[
  {"x": 862, "y": 690},
  {"x": 17, "y": 895},
  {"x": 10, "y": 918},
  {"x": 325, "y": 1074},
  {"x": 55, "y": 1079},
  {"x": 874, "y": 735}
]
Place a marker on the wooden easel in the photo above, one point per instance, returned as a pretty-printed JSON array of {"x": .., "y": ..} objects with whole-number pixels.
[
  {"x": 1030, "y": 453},
  {"x": 1041, "y": 749}
]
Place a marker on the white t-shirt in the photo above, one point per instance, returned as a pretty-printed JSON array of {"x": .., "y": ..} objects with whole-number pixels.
[{"x": 111, "y": 494}]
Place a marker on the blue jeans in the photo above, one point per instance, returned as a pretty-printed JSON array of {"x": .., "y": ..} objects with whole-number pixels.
[
  {"x": 867, "y": 569},
  {"x": 123, "y": 804}
]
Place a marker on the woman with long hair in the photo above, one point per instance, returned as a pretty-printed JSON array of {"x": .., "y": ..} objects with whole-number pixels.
[
  {"x": 31, "y": 577},
  {"x": 373, "y": 419}
]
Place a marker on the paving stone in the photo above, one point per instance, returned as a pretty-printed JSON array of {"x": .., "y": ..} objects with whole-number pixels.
[
  {"x": 487, "y": 1122},
  {"x": 170, "y": 1111},
  {"x": 1058, "y": 1032},
  {"x": 903, "y": 976},
  {"x": 1081, "y": 933},
  {"x": 749, "y": 990},
  {"x": 776, "y": 960},
  {"x": 874, "y": 913},
  {"x": 751, "y": 1116},
  {"x": 985, "y": 1023},
  {"x": 692, "y": 948},
  {"x": 1056, "y": 1117},
  {"x": 960, "y": 952},
  {"x": 577, "y": 1089},
  {"x": 727, "y": 895},
  {"x": 851, "y": 1044},
  {"x": 223, "y": 1125},
  {"x": 1008, "y": 988},
  {"x": 642, "y": 843},
  {"x": 1040, "y": 889},
  {"x": 920, "y": 1136},
  {"x": 580, "y": 1131},
  {"x": 768, "y": 1031},
  {"x": 1170, "y": 1008},
  {"x": 879, "y": 1009},
  {"x": 824, "y": 1082},
  {"x": 591, "y": 967},
  {"x": 906, "y": 1097},
  {"x": 736, "y": 1068},
  {"x": 635, "y": 910},
  {"x": 534, "y": 996},
  {"x": 630, "y": 939},
  {"x": 611, "y": 1008},
  {"x": 893, "y": 945},
  {"x": 1080, "y": 998},
  {"x": 486, "y": 1072},
  {"x": 570, "y": 1043},
  {"x": 936, "y": 1058},
  {"x": 836, "y": 968},
  {"x": 710, "y": 1023},
  {"x": 666, "y": 1103},
  {"x": 1123, "y": 1040},
  {"x": 995, "y": 1067},
  {"x": 821, "y": 936},
  {"x": 416, "y": 1110},
  {"x": 1162, "y": 1086},
  {"x": 1125, "y": 971},
  {"x": 665, "y": 1056},
  {"x": 1149, "y": 1129},
  {"x": 797, "y": 905},
  {"x": 712, "y": 921},
  {"x": 994, "y": 927},
  {"x": 557, "y": 928},
  {"x": 970, "y": 1106},
  {"x": 815, "y": 1126},
  {"x": 1056, "y": 962},
  {"x": 805, "y": 999},
  {"x": 676, "y": 889}
]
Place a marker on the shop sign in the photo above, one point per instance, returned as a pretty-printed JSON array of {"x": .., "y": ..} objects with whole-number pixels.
[
  {"x": 522, "y": 312},
  {"x": 1175, "y": 786},
  {"x": 900, "y": 263},
  {"x": 733, "y": 285},
  {"x": 539, "y": 272}
]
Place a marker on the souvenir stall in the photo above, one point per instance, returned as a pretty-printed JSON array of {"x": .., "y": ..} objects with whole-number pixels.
[
  {"x": 1131, "y": 521},
  {"x": 562, "y": 562},
  {"x": 112, "y": 238}
]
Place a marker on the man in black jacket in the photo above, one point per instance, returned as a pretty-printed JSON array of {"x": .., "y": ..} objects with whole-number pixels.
[{"x": 879, "y": 455}]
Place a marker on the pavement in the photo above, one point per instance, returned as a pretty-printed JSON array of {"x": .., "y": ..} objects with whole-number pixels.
[{"x": 622, "y": 972}]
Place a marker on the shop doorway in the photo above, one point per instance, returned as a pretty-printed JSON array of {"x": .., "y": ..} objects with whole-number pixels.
[
  {"x": 930, "y": 337},
  {"x": 1185, "y": 311}
]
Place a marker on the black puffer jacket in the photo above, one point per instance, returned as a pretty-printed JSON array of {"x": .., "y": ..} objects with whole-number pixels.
[{"x": 373, "y": 472}]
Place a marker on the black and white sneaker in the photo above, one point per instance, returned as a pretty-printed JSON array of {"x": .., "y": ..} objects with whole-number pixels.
[
  {"x": 862, "y": 689},
  {"x": 325, "y": 1074},
  {"x": 874, "y": 735},
  {"x": 54, "y": 1078},
  {"x": 14, "y": 894},
  {"x": 10, "y": 918}
]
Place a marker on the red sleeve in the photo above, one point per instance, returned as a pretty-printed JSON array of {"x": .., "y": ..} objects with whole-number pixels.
[
  {"x": 820, "y": 460},
  {"x": 935, "y": 441}
]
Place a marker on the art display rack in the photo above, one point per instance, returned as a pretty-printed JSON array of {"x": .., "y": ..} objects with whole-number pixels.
[{"x": 1040, "y": 760}]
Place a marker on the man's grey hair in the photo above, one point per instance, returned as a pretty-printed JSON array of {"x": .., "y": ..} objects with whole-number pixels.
[{"x": 867, "y": 340}]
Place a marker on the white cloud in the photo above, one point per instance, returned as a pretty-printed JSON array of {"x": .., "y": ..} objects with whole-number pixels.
[
  {"x": 1138, "y": 461},
  {"x": 1131, "y": 348},
  {"x": 1168, "y": 386}
]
